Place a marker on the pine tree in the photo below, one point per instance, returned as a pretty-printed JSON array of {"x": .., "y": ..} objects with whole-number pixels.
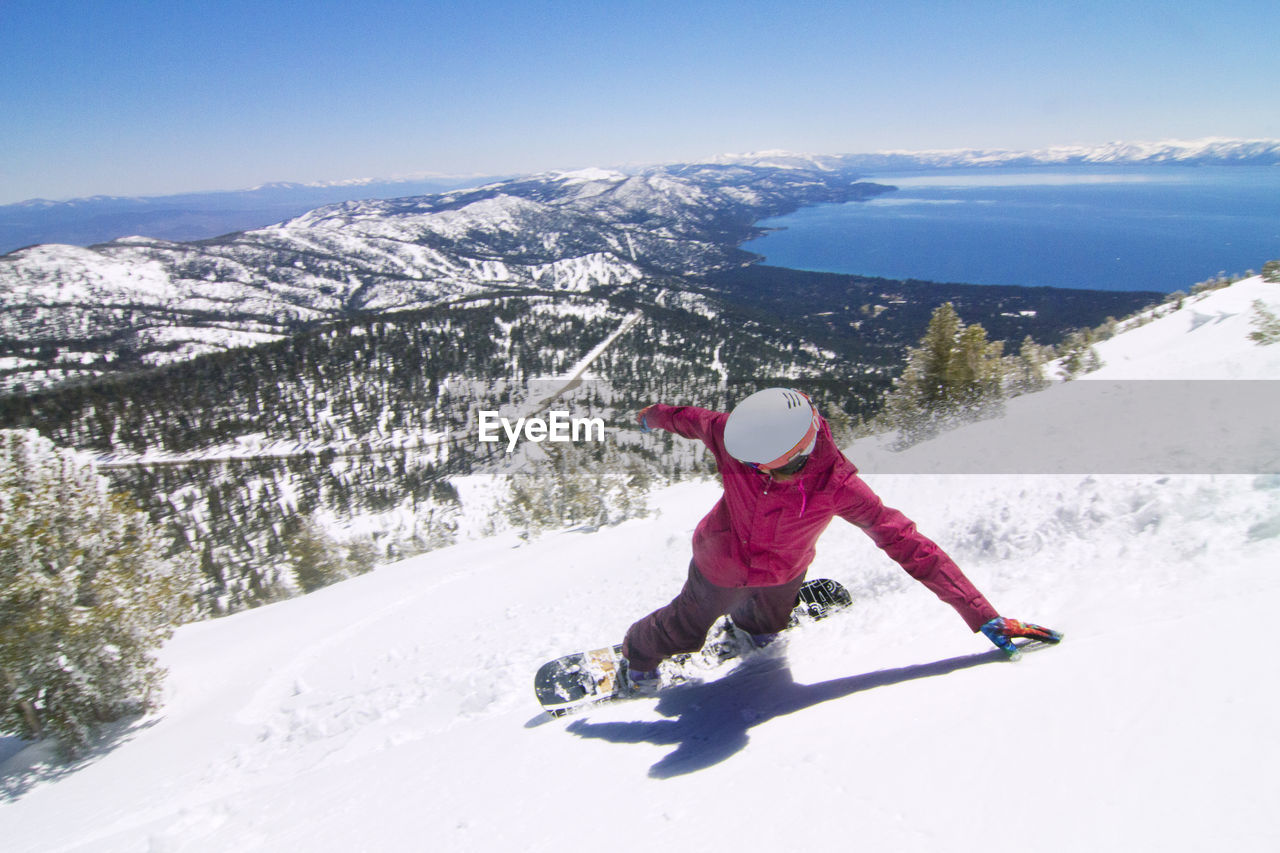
[
  {"x": 938, "y": 356},
  {"x": 86, "y": 596},
  {"x": 1266, "y": 323},
  {"x": 1025, "y": 373},
  {"x": 977, "y": 377},
  {"x": 576, "y": 486},
  {"x": 1078, "y": 355},
  {"x": 954, "y": 375},
  {"x": 318, "y": 559}
]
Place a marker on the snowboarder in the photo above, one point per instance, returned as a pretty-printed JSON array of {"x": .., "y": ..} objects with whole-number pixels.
[{"x": 784, "y": 480}]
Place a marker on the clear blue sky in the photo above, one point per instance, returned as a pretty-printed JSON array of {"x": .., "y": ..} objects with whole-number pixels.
[{"x": 136, "y": 98}]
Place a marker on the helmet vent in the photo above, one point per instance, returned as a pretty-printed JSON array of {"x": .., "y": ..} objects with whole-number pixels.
[{"x": 794, "y": 400}]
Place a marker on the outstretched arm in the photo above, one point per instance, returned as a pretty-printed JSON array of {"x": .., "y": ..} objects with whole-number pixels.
[
  {"x": 919, "y": 555},
  {"x": 688, "y": 421},
  {"x": 926, "y": 562}
]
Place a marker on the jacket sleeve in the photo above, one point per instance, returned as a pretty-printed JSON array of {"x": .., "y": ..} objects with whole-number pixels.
[
  {"x": 688, "y": 421},
  {"x": 919, "y": 555}
]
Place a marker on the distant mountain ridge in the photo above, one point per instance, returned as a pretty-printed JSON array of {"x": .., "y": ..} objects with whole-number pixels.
[
  {"x": 202, "y": 215},
  {"x": 192, "y": 216},
  {"x": 1202, "y": 152}
]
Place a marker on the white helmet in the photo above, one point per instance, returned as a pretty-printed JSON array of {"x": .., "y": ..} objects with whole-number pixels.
[{"x": 772, "y": 428}]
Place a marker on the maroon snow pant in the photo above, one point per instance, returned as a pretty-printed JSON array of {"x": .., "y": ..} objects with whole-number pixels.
[{"x": 683, "y": 624}]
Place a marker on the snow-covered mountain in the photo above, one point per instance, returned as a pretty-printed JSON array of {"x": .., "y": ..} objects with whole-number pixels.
[
  {"x": 70, "y": 311},
  {"x": 197, "y": 215},
  {"x": 1214, "y": 151},
  {"x": 395, "y": 711}
]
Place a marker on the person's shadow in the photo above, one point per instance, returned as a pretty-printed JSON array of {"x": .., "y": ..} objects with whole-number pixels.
[{"x": 709, "y": 722}]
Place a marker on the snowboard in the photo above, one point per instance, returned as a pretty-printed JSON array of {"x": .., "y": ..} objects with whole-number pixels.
[{"x": 573, "y": 682}]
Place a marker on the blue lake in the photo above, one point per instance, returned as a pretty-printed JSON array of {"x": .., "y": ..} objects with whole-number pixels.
[{"x": 1109, "y": 228}]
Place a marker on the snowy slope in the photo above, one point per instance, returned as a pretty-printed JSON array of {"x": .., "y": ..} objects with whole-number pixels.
[
  {"x": 1200, "y": 342},
  {"x": 395, "y": 712},
  {"x": 1170, "y": 398}
]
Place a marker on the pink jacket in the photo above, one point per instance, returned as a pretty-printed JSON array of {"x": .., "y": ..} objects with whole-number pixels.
[{"x": 763, "y": 533}]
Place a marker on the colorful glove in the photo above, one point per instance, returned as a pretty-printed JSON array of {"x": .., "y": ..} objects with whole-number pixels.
[
  {"x": 1001, "y": 631},
  {"x": 644, "y": 425}
]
